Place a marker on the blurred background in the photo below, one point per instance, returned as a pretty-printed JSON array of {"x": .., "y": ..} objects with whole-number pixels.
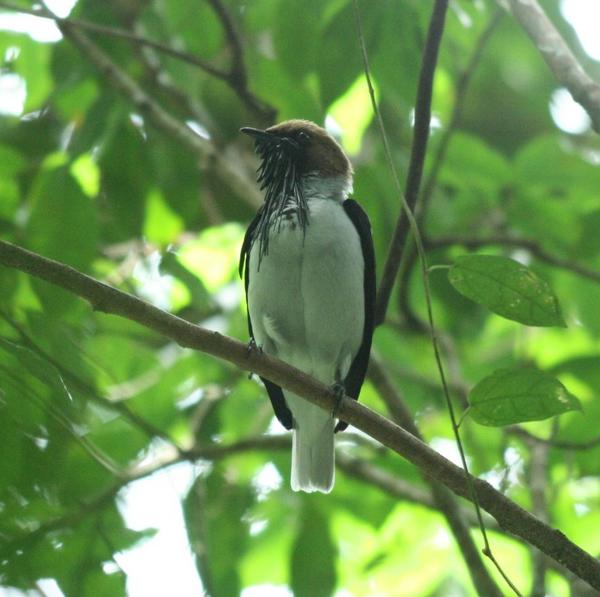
[{"x": 97, "y": 496}]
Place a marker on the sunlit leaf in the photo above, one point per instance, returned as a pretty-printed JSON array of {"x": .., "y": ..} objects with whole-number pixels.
[
  {"x": 510, "y": 396},
  {"x": 86, "y": 173},
  {"x": 507, "y": 288},
  {"x": 161, "y": 225},
  {"x": 353, "y": 113}
]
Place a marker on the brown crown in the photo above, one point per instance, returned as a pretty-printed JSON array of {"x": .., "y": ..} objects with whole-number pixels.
[{"x": 320, "y": 152}]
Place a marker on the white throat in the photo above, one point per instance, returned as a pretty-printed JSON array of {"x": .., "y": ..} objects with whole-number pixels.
[{"x": 337, "y": 187}]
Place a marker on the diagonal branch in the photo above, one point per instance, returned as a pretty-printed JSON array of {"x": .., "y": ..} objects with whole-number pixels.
[
  {"x": 399, "y": 488},
  {"x": 420, "y": 138},
  {"x": 443, "y": 499},
  {"x": 509, "y": 515},
  {"x": 558, "y": 56},
  {"x": 462, "y": 87}
]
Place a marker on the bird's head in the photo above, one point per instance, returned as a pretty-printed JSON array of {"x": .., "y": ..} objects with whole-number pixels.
[
  {"x": 307, "y": 147},
  {"x": 299, "y": 160}
]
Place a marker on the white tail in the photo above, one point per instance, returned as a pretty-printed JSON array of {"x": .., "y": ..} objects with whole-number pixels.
[{"x": 313, "y": 457}]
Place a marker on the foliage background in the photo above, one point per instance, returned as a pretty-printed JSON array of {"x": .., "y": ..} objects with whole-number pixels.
[{"x": 90, "y": 402}]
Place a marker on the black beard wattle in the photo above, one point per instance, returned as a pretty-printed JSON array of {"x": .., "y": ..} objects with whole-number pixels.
[{"x": 284, "y": 197}]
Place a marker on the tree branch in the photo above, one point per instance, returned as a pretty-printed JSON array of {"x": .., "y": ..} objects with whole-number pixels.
[
  {"x": 443, "y": 499},
  {"x": 352, "y": 467},
  {"x": 558, "y": 56},
  {"x": 553, "y": 442},
  {"x": 237, "y": 77},
  {"x": 238, "y": 68},
  {"x": 399, "y": 488},
  {"x": 509, "y": 515},
  {"x": 462, "y": 86},
  {"x": 437, "y": 160},
  {"x": 417, "y": 157}
]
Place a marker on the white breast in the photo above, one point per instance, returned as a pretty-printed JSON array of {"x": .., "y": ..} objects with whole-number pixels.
[{"x": 306, "y": 301}]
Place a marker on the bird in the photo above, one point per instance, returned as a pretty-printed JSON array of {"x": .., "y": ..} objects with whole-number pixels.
[{"x": 308, "y": 265}]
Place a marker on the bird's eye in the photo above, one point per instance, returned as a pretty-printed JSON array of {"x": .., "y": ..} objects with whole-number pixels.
[{"x": 303, "y": 137}]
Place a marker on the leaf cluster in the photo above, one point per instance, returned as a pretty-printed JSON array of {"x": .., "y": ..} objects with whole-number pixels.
[{"x": 90, "y": 404}]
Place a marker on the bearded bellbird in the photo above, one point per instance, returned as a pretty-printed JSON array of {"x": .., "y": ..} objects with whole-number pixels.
[{"x": 309, "y": 270}]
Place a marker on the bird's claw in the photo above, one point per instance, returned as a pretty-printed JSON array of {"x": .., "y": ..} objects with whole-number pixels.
[
  {"x": 340, "y": 393},
  {"x": 253, "y": 348}
]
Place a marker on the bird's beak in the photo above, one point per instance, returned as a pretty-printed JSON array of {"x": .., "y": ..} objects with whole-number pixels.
[
  {"x": 259, "y": 135},
  {"x": 268, "y": 139}
]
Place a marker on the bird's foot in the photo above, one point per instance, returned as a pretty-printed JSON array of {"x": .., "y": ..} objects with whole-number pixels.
[
  {"x": 253, "y": 348},
  {"x": 340, "y": 393}
]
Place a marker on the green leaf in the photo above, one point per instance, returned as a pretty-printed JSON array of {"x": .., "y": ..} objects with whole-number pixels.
[
  {"x": 507, "y": 288},
  {"x": 62, "y": 223},
  {"x": 472, "y": 163},
  {"x": 124, "y": 183},
  {"x": 313, "y": 556},
  {"x": 45, "y": 372},
  {"x": 161, "y": 225},
  {"x": 11, "y": 161},
  {"x": 182, "y": 18},
  {"x": 215, "y": 511},
  {"x": 510, "y": 396},
  {"x": 294, "y": 22}
]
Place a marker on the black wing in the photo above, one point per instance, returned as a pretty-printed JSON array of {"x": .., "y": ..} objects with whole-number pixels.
[
  {"x": 358, "y": 369},
  {"x": 282, "y": 412}
]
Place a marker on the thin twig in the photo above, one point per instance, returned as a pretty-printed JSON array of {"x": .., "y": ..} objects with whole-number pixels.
[
  {"x": 509, "y": 515},
  {"x": 352, "y": 467},
  {"x": 558, "y": 56},
  {"x": 237, "y": 76},
  {"x": 104, "y": 460},
  {"x": 462, "y": 87},
  {"x": 162, "y": 81},
  {"x": 538, "y": 470},
  {"x": 553, "y": 442},
  {"x": 420, "y": 138},
  {"x": 510, "y": 241},
  {"x": 399, "y": 488},
  {"x": 238, "y": 67}
]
